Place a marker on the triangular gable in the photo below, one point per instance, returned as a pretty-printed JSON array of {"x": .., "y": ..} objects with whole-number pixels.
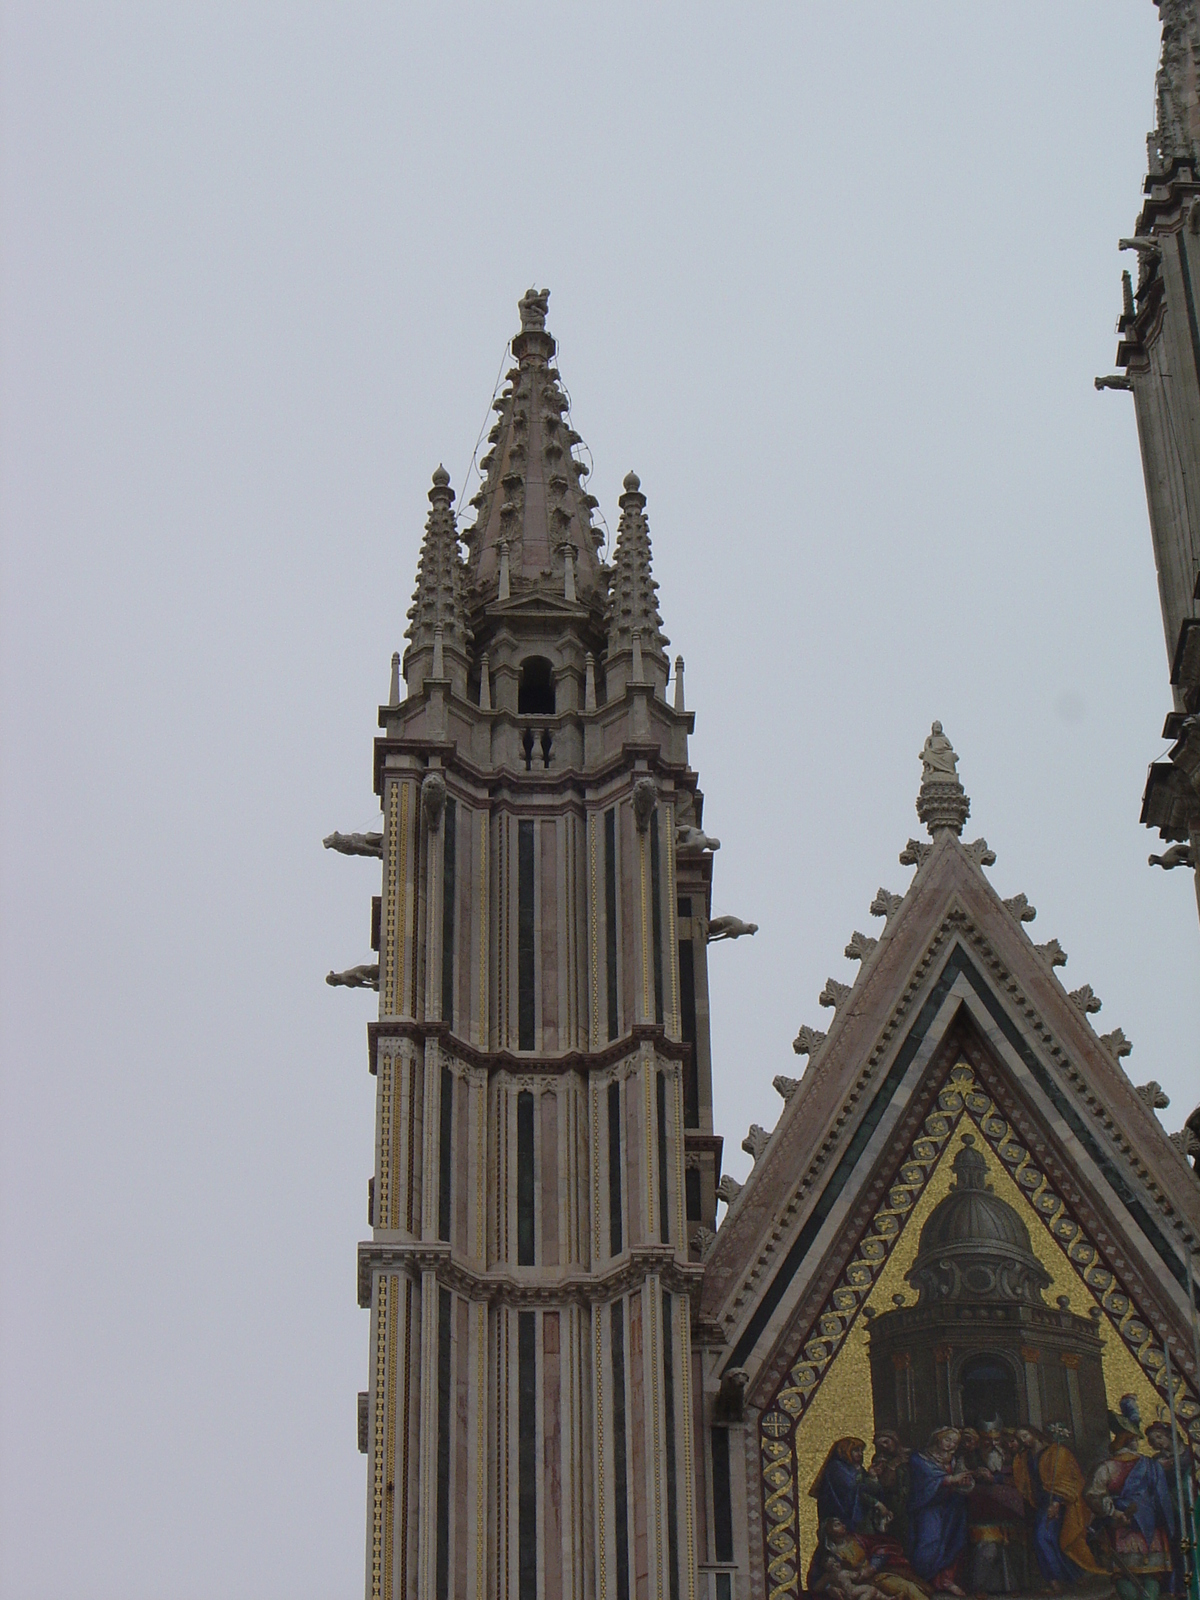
[
  {"x": 956, "y": 1001},
  {"x": 951, "y": 942}
]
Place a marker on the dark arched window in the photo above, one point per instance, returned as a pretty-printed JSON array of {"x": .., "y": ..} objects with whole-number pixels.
[{"x": 535, "y": 697}]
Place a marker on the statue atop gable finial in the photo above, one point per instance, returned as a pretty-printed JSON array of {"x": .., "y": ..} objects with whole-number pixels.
[
  {"x": 938, "y": 760},
  {"x": 942, "y": 803},
  {"x": 533, "y": 306}
]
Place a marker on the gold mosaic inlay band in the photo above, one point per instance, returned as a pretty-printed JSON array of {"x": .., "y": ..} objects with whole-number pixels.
[
  {"x": 646, "y": 1014},
  {"x": 389, "y": 1512},
  {"x": 595, "y": 939},
  {"x": 672, "y": 925},
  {"x": 652, "y": 1291},
  {"x": 684, "y": 1367},
  {"x": 378, "y": 1477},
  {"x": 483, "y": 930},
  {"x": 390, "y": 901}
]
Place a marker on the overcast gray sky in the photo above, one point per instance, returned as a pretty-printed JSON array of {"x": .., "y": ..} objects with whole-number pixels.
[{"x": 835, "y": 280}]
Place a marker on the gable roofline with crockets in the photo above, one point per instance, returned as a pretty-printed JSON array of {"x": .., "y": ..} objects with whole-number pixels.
[{"x": 954, "y": 962}]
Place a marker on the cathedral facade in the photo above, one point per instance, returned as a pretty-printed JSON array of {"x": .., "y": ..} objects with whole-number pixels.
[{"x": 944, "y": 1338}]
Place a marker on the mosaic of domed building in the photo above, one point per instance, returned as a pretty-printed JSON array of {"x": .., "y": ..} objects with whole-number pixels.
[{"x": 975, "y": 1411}]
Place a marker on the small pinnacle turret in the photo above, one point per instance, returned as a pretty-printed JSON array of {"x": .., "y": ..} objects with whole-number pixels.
[
  {"x": 942, "y": 803},
  {"x": 636, "y": 642},
  {"x": 533, "y": 498},
  {"x": 438, "y": 604}
]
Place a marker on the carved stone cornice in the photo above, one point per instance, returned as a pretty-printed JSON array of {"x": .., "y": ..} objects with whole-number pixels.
[
  {"x": 546, "y": 781},
  {"x": 543, "y": 1289},
  {"x": 584, "y": 1062}
]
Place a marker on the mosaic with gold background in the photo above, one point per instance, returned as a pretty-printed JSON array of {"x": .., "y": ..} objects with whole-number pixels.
[{"x": 828, "y": 1395}]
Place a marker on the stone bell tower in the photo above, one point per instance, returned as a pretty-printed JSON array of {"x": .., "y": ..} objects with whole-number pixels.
[{"x": 545, "y": 1162}]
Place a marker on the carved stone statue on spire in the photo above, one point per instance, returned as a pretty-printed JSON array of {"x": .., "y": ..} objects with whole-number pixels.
[
  {"x": 938, "y": 760},
  {"x": 942, "y": 803},
  {"x": 533, "y": 306}
]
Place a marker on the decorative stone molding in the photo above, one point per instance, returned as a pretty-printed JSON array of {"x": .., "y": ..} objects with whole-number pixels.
[
  {"x": 1086, "y": 998},
  {"x": 808, "y": 1041},
  {"x": 834, "y": 995},
  {"x": 860, "y": 946},
  {"x": 1116, "y": 1043},
  {"x": 914, "y": 853},
  {"x": 981, "y": 853},
  {"x": 785, "y": 1086},
  {"x": 1020, "y": 908},
  {"x": 703, "y": 1239},
  {"x": 755, "y": 1141},
  {"x": 1153, "y": 1094},
  {"x": 1052, "y": 952},
  {"x": 728, "y": 1189},
  {"x": 545, "y": 1289},
  {"x": 886, "y": 904}
]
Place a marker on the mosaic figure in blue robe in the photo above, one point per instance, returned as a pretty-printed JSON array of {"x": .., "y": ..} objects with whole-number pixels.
[
  {"x": 937, "y": 1511},
  {"x": 843, "y": 1489}
]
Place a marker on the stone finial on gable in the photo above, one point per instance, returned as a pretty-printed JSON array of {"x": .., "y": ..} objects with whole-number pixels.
[
  {"x": 785, "y": 1086},
  {"x": 1086, "y": 998},
  {"x": 942, "y": 802},
  {"x": 728, "y": 1189}
]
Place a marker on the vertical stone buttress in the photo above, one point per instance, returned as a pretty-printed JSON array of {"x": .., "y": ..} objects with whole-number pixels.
[
  {"x": 544, "y": 1146},
  {"x": 1159, "y": 349}
]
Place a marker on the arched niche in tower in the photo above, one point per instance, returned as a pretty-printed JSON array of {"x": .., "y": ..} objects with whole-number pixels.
[{"x": 535, "y": 693}]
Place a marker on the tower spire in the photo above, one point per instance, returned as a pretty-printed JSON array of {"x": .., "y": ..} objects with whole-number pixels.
[
  {"x": 635, "y": 636},
  {"x": 533, "y": 496},
  {"x": 438, "y": 607}
]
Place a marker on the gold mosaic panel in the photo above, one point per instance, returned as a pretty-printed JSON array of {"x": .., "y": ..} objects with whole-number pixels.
[{"x": 827, "y": 1393}]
